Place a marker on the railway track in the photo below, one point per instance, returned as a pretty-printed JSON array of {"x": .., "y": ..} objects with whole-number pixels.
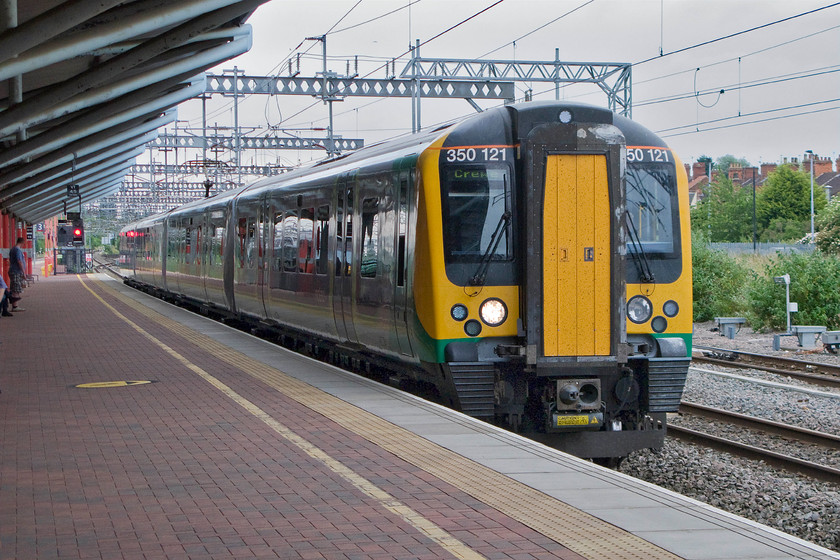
[
  {"x": 824, "y": 375},
  {"x": 780, "y": 460}
]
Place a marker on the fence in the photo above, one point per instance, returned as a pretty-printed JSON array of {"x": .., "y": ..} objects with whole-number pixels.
[{"x": 762, "y": 248}]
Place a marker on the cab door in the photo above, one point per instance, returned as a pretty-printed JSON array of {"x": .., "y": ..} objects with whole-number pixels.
[
  {"x": 574, "y": 265},
  {"x": 401, "y": 280}
]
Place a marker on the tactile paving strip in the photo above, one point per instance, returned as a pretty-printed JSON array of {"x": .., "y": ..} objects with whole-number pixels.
[{"x": 569, "y": 526}]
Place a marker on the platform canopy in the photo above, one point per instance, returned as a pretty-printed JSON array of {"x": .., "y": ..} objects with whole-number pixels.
[{"x": 85, "y": 84}]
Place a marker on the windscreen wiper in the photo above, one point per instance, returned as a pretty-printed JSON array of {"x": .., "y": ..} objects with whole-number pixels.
[
  {"x": 639, "y": 255},
  {"x": 481, "y": 273}
]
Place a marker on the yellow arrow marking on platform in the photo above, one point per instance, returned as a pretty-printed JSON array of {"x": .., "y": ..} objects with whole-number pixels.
[{"x": 106, "y": 384}]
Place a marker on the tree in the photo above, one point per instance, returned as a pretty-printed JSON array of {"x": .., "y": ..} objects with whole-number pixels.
[
  {"x": 723, "y": 163},
  {"x": 723, "y": 211},
  {"x": 785, "y": 200}
]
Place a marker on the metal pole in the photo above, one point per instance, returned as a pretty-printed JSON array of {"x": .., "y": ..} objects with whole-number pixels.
[
  {"x": 204, "y": 133},
  {"x": 330, "y": 136},
  {"x": 236, "y": 122},
  {"x": 787, "y": 301},
  {"x": 413, "y": 91},
  {"x": 812, "y": 198},
  {"x": 417, "y": 81},
  {"x": 9, "y": 12},
  {"x": 709, "y": 206},
  {"x": 557, "y": 74},
  {"x": 755, "y": 234},
  {"x": 812, "y": 192}
]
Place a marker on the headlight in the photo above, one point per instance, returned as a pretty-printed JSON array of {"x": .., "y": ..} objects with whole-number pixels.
[
  {"x": 493, "y": 312},
  {"x": 459, "y": 312},
  {"x": 639, "y": 309},
  {"x": 671, "y": 308}
]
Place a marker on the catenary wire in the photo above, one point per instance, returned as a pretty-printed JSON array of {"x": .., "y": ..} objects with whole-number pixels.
[{"x": 768, "y": 111}]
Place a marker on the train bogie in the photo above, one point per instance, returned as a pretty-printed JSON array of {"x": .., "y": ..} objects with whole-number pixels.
[{"x": 530, "y": 264}]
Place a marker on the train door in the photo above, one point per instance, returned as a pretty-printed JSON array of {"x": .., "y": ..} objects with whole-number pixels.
[
  {"x": 373, "y": 314},
  {"x": 403, "y": 190},
  {"x": 247, "y": 252},
  {"x": 174, "y": 254},
  {"x": 343, "y": 287},
  {"x": 204, "y": 240},
  {"x": 574, "y": 270},
  {"x": 576, "y": 245}
]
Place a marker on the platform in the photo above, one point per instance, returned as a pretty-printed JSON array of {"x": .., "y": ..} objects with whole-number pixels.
[{"x": 240, "y": 449}]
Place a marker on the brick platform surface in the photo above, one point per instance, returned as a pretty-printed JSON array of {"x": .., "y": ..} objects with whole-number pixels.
[{"x": 176, "y": 469}]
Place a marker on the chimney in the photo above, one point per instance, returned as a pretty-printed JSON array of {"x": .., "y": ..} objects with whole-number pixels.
[
  {"x": 822, "y": 165},
  {"x": 735, "y": 173},
  {"x": 767, "y": 169}
]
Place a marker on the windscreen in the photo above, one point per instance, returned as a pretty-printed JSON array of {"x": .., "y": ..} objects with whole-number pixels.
[
  {"x": 651, "y": 209},
  {"x": 475, "y": 198},
  {"x": 652, "y": 223}
]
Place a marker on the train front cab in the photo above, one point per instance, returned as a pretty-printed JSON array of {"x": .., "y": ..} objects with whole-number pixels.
[{"x": 545, "y": 289}]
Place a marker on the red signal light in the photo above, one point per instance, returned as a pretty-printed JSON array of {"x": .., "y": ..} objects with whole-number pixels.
[{"x": 77, "y": 232}]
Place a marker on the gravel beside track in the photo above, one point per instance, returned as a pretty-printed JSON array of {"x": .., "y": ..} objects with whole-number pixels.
[{"x": 788, "y": 502}]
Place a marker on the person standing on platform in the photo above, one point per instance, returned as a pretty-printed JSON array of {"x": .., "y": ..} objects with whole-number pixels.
[{"x": 17, "y": 274}]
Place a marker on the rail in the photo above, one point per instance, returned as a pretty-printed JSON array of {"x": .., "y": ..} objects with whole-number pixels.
[
  {"x": 825, "y": 375},
  {"x": 779, "y": 460}
]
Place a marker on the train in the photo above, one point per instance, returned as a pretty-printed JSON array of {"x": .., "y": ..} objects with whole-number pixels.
[{"x": 529, "y": 265}]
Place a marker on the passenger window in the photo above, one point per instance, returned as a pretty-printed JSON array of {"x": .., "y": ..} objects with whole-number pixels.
[
  {"x": 322, "y": 236},
  {"x": 402, "y": 218},
  {"x": 306, "y": 262},
  {"x": 251, "y": 243},
  {"x": 339, "y": 246},
  {"x": 348, "y": 235},
  {"x": 278, "y": 241},
  {"x": 370, "y": 237},
  {"x": 290, "y": 241},
  {"x": 242, "y": 236},
  {"x": 217, "y": 243}
]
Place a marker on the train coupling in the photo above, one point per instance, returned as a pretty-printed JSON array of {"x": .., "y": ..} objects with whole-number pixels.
[{"x": 577, "y": 405}]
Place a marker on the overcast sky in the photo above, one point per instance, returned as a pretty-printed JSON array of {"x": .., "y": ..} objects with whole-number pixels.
[{"x": 762, "y": 72}]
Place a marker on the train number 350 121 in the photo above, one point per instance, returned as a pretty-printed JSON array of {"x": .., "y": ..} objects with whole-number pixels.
[
  {"x": 473, "y": 154},
  {"x": 642, "y": 155}
]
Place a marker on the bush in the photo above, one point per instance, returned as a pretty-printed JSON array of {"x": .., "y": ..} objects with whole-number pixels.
[
  {"x": 814, "y": 279},
  {"x": 719, "y": 282},
  {"x": 828, "y": 224}
]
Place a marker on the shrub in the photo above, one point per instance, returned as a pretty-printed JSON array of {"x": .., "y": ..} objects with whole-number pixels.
[
  {"x": 814, "y": 279},
  {"x": 828, "y": 223},
  {"x": 719, "y": 282}
]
